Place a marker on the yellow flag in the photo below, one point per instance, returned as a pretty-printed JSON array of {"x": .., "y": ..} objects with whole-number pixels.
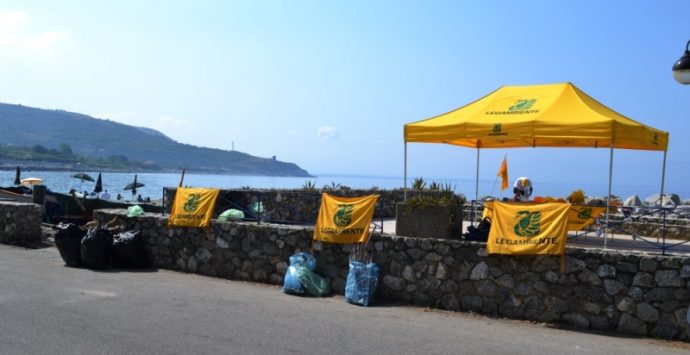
[
  {"x": 580, "y": 217},
  {"x": 344, "y": 220},
  {"x": 503, "y": 173},
  {"x": 193, "y": 207},
  {"x": 528, "y": 229}
]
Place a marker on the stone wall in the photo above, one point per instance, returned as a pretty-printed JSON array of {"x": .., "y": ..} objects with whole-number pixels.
[
  {"x": 629, "y": 293},
  {"x": 20, "y": 223},
  {"x": 298, "y": 206}
]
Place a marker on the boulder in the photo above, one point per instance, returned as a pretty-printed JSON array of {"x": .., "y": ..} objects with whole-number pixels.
[
  {"x": 632, "y": 201},
  {"x": 668, "y": 200}
]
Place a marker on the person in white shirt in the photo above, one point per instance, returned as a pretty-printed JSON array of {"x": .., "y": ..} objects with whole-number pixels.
[
  {"x": 105, "y": 195},
  {"x": 522, "y": 188}
]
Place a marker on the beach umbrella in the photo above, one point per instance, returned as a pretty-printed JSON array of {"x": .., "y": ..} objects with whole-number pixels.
[
  {"x": 133, "y": 185},
  {"x": 99, "y": 184},
  {"x": 17, "y": 180},
  {"x": 82, "y": 177},
  {"x": 31, "y": 181}
]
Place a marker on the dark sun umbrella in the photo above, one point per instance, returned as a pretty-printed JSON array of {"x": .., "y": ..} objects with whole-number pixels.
[
  {"x": 82, "y": 177},
  {"x": 17, "y": 178},
  {"x": 133, "y": 185},
  {"x": 99, "y": 184}
]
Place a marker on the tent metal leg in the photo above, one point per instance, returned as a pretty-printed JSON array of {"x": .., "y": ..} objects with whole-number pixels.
[
  {"x": 405, "y": 176},
  {"x": 661, "y": 199},
  {"x": 476, "y": 183},
  {"x": 608, "y": 197}
]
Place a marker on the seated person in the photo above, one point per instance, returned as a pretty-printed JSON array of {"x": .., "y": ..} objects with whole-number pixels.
[{"x": 522, "y": 188}]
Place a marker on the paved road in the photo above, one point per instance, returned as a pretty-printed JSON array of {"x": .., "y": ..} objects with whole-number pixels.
[{"x": 46, "y": 308}]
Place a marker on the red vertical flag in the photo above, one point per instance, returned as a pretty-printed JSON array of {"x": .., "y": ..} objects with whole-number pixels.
[{"x": 503, "y": 173}]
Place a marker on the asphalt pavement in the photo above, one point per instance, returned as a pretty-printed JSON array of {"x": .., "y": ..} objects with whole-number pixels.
[{"x": 47, "y": 308}]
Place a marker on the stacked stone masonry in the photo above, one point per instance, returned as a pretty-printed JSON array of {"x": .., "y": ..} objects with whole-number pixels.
[
  {"x": 20, "y": 223},
  {"x": 629, "y": 293}
]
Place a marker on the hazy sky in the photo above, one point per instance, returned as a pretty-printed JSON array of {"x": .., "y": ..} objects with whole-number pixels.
[{"x": 329, "y": 85}]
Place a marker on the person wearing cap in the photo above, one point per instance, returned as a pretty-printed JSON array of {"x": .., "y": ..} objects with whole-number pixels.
[{"x": 522, "y": 188}]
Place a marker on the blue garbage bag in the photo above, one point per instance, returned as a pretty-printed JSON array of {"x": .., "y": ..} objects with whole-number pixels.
[
  {"x": 361, "y": 283},
  {"x": 291, "y": 283}
]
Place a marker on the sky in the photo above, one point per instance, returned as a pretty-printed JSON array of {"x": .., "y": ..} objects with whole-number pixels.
[{"x": 329, "y": 85}]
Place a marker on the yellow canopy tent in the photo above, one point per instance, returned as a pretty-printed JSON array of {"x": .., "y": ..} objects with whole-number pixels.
[{"x": 550, "y": 115}]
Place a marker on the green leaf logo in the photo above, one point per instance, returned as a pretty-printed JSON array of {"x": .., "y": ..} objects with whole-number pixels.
[
  {"x": 497, "y": 128},
  {"x": 343, "y": 216},
  {"x": 192, "y": 203},
  {"x": 522, "y": 105},
  {"x": 585, "y": 213},
  {"x": 529, "y": 223}
]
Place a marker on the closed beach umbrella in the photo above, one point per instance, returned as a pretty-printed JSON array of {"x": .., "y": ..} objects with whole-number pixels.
[
  {"x": 17, "y": 180},
  {"x": 181, "y": 179},
  {"x": 99, "y": 184},
  {"x": 133, "y": 185}
]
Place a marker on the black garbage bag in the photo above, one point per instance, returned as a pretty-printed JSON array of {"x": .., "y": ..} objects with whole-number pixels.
[
  {"x": 480, "y": 233},
  {"x": 68, "y": 242},
  {"x": 128, "y": 251},
  {"x": 96, "y": 248}
]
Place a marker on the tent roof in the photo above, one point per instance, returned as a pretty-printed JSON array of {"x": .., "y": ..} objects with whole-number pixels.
[{"x": 551, "y": 115}]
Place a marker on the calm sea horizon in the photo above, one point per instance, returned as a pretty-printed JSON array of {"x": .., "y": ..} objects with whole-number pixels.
[{"x": 61, "y": 181}]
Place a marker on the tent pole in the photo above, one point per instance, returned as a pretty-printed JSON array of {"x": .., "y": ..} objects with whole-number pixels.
[
  {"x": 661, "y": 199},
  {"x": 405, "y": 175},
  {"x": 608, "y": 197},
  {"x": 476, "y": 181}
]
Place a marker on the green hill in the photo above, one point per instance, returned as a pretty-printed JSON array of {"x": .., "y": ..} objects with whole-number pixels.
[{"x": 107, "y": 140}]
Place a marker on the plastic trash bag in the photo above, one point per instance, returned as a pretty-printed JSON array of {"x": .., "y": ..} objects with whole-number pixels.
[
  {"x": 480, "y": 232},
  {"x": 135, "y": 211},
  {"x": 256, "y": 208},
  {"x": 314, "y": 284},
  {"x": 128, "y": 251},
  {"x": 68, "y": 242},
  {"x": 231, "y": 215},
  {"x": 361, "y": 283},
  {"x": 96, "y": 248},
  {"x": 291, "y": 283}
]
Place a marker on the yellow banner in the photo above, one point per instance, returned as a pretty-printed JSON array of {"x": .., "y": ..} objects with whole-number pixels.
[
  {"x": 528, "y": 229},
  {"x": 580, "y": 217},
  {"x": 193, "y": 207},
  {"x": 344, "y": 220}
]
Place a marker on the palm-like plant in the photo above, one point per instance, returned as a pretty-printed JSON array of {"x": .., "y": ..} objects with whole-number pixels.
[{"x": 418, "y": 183}]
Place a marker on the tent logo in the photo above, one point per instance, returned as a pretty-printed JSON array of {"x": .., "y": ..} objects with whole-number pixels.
[
  {"x": 522, "y": 105},
  {"x": 192, "y": 203},
  {"x": 529, "y": 224},
  {"x": 655, "y": 139},
  {"x": 343, "y": 216},
  {"x": 497, "y": 128}
]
